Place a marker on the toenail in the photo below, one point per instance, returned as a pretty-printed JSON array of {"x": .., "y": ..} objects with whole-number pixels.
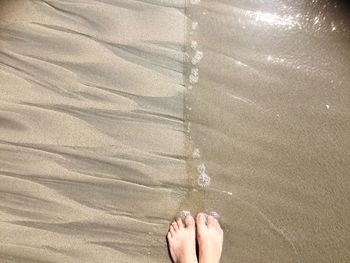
[
  {"x": 189, "y": 219},
  {"x": 202, "y": 217}
]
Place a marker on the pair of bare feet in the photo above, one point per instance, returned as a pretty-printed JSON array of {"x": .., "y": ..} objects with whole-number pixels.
[{"x": 182, "y": 239}]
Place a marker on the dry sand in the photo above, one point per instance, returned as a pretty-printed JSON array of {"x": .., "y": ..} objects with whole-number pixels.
[{"x": 95, "y": 156}]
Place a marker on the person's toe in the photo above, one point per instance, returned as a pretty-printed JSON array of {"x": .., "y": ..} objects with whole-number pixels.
[
  {"x": 179, "y": 223},
  {"x": 212, "y": 222},
  {"x": 169, "y": 236},
  {"x": 172, "y": 231},
  {"x": 200, "y": 221},
  {"x": 189, "y": 221},
  {"x": 175, "y": 226}
]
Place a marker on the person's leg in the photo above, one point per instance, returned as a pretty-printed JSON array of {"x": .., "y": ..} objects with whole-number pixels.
[
  {"x": 182, "y": 241},
  {"x": 210, "y": 238}
]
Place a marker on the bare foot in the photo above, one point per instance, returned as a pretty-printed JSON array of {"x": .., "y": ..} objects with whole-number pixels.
[
  {"x": 210, "y": 237},
  {"x": 182, "y": 241}
]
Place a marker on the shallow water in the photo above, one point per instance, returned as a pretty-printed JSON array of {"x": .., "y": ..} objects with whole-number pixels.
[
  {"x": 270, "y": 115},
  {"x": 103, "y": 141}
]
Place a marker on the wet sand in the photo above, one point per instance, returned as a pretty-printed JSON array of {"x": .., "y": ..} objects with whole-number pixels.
[
  {"x": 96, "y": 150},
  {"x": 91, "y": 130},
  {"x": 270, "y": 116}
]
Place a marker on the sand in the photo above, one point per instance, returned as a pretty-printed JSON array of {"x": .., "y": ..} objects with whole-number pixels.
[
  {"x": 95, "y": 142},
  {"x": 271, "y": 118},
  {"x": 92, "y": 143}
]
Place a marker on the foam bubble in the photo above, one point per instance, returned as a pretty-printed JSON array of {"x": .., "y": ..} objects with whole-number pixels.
[
  {"x": 195, "y": 2},
  {"x": 194, "y": 76},
  {"x": 201, "y": 168},
  {"x": 194, "y": 25},
  {"x": 194, "y": 44},
  {"x": 195, "y": 71},
  {"x": 184, "y": 213},
  {"x": 227, "y": 192},
  {"x": 197, "y": 57},
  {"x": 214, "y": 214},
  {"x": 196, "y": 154},
  {"x": 194, "y": 79},
  {"x": 203, "y": 180}
]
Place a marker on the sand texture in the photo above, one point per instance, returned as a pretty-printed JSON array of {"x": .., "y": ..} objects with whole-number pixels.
[
  {"x": 91, "y": 130},
  {"x": 103, "y": 137}
]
